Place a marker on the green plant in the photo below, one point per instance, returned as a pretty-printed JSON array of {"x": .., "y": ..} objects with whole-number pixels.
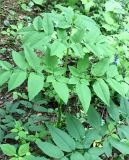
[
  {"x": 65, "y": 55},
  {"x": 50, "y": 63},
  {"x": 10, "y": 150}
]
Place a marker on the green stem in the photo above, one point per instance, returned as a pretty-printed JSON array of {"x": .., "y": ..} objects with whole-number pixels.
[
  {"x": 66, "y": 58},
  {"x": 59, "y": 115}
]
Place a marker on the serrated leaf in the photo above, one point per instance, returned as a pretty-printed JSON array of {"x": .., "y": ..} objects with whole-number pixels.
[
  {"x": 50, "y": 61},
  {"x": 75, "y": 128},
  {"x": 112, "y": 71},
  {"x": 38, "y": 23},
  {"x": 77, "y": 37},
  {"x": 124, "y": 109},
  {"x": 94, "y": 118},
  {"x": 32, "y": 58},
  {"x": 83, "y": 64},
  {"x": 62, "y": 90},
  {"x": 67, "y": 12},
  {"x": 116, "y": 86},
  {"x": 78, "y": 50},
  {"x": 19, "y": 60},
  {"x": 102, "y": 91},
  {"x": 113, "y": 111},
  {"x": 100, "y": 68},
  {"x": 35, "y": 84},
  {"x": 8, "y": 149},
  {"x": 16, "y": 79},
  {"x": 23, "y": 150},
  {"x": 48, "y": 24},
  {"x": 36, "y": 40},
  {"x": 50, "y": 149},
  {"x": 62, "y": 139},
  {"x": 84, "y": 95},
  {"x": 58, "y": 49}
]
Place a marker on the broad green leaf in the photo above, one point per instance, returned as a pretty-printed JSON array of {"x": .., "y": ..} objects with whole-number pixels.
[
  {"x": 84, "y": 95},
  {"x": 86, "y": 22},
  {"x": 19, "y": 60},
  {"x": 120, "y": 146},
  {"x": 62, "y": 139},
  {"x": 58, "y": 49},
  {"x": 91, "y": 36},
  {"x": 101, "y": 47},
  {"x": 48, "y": 24},
  {"x": 8, "y": 149},
  {"x": 116, "y": 86},
  {"x": 62, "y": 90},
  {"x": 50, "y": 149},
  {"x": 32, "y": 58},
  {"x": 23, "y": 150},
  {"x": 102, "y": 91},
  {"x": 94, "y": 118},
  {"x": 16, "y": 79},
  {"x": 38, "y": 23},
  {"x": 100, "y": 68},
  {"x": 67, "y": 12},
  {"x": 62, "y": 34},
  {"x": 74, "y": 80},
  {"x": 96, "y": 151},
  {"x": 36, "y": 40},
  {"x": 77, "y": 37},
  {"x": 89, "y": 156},
  {"x": 5, "y": 65},
  {"x": 50, "y": 61},
  {"x": 107, "y": 148},
  {"x": 123, "y": 131},
  {"x": 4, "y": 76},
  {"x": 112, "y": 71},
  {"x": 104, "y": 49},
  {"x": 113, "y": 111},
  {"x": 35, "y": 84},
  {"x": 75, "y": 72},
  {"x": 60, "y": 21},
  {"x": 78, "y": 50},
  {"x": 77, "y": 156},
  {"x": 83, "y": 64},
  {"x": 124, "y": 109},
  {"x": 75, "y": 128},
  {"x": 90, "y": 137}
]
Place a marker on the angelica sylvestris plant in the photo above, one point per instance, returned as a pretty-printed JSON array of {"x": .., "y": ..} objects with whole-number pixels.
[{"x": 66, "y": 52}]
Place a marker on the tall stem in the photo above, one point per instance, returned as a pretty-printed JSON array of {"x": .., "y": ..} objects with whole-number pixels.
[
  {"x": 66, "y": 58},
  {"x": 59, "y": 115}
]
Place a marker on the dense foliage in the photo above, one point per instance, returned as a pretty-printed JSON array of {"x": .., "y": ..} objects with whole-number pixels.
[{"x": 70, "y": 82}]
